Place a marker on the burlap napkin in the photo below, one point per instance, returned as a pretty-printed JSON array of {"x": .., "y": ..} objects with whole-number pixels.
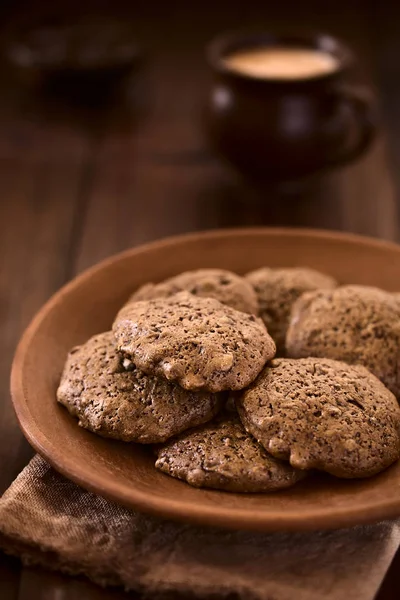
[{"x": 47, "y": 520}]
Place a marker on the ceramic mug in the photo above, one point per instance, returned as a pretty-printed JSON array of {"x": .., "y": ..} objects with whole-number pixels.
[{"x": 286, "y": 128}]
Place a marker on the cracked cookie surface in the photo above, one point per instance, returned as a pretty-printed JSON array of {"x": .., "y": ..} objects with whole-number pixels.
[
  {"x": 356, "y": 324},
  {"x": 125, "y": 403},
  {"x": 197, "y": 342},
  {"x": 225, "y": 286},
  {"x": 323, "y": 414},
  {"x": 221, "y": 455},
  {"x": 278, "y": 289}
]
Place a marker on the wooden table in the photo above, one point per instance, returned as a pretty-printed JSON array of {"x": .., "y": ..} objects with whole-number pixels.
[{"x": 76, "y": 187}]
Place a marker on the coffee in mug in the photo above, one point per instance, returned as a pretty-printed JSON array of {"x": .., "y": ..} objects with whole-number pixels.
[{"x": 279, "y": 62}]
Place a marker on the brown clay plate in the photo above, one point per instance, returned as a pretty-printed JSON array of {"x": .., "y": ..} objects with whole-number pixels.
[{"x": 125, "y": 473}]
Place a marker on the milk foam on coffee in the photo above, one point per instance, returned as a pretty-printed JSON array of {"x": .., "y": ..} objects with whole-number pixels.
[{"x": 274, "y": 62}]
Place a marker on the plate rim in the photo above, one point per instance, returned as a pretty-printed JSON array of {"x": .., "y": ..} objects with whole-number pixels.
[{"x": 132, "y": 498}]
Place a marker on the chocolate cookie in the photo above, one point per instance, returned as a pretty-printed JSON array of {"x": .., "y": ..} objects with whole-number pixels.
[
  {"x": 278, "y": 289},
  {"x": 196, "y": 342},
  {"x": 227, "y": 287},
  {"x": 222, "y": 456},
  {"x": 122, "y": 402},
  {"x": 356, "y": 324},
  {"x": 323, "y": 414}
]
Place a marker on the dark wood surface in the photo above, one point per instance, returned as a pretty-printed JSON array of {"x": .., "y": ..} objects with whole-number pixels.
[{"x": 77, "y": 186}]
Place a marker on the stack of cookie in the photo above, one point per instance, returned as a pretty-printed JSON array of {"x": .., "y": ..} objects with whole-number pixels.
[{"x": 181, "y": 351}]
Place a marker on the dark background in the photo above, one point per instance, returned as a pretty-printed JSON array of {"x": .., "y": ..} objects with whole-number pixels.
[{"x": 76, "y": 186}]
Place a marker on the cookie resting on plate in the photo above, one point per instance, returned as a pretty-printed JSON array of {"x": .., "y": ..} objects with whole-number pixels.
[
  {"x": 353, "y": 323},
  {"x": 323, "y": 414},
  {"x": 222, "y": 456},
  {"x": 278, "y": 289},
  {"x": 197, "y": 342},
  {"x": 123, "y": 402},
  {"x": 225, "y": 286}
]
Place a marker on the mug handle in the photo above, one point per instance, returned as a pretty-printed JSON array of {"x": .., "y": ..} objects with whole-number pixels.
[{"x": 363, "y": 107}]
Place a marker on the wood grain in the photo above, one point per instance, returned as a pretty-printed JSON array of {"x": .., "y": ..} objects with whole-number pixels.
[{"x": 40, "y": 200}]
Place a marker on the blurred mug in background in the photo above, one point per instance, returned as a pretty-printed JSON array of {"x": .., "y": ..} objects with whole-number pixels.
[{"x": 281, "y": 107}]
